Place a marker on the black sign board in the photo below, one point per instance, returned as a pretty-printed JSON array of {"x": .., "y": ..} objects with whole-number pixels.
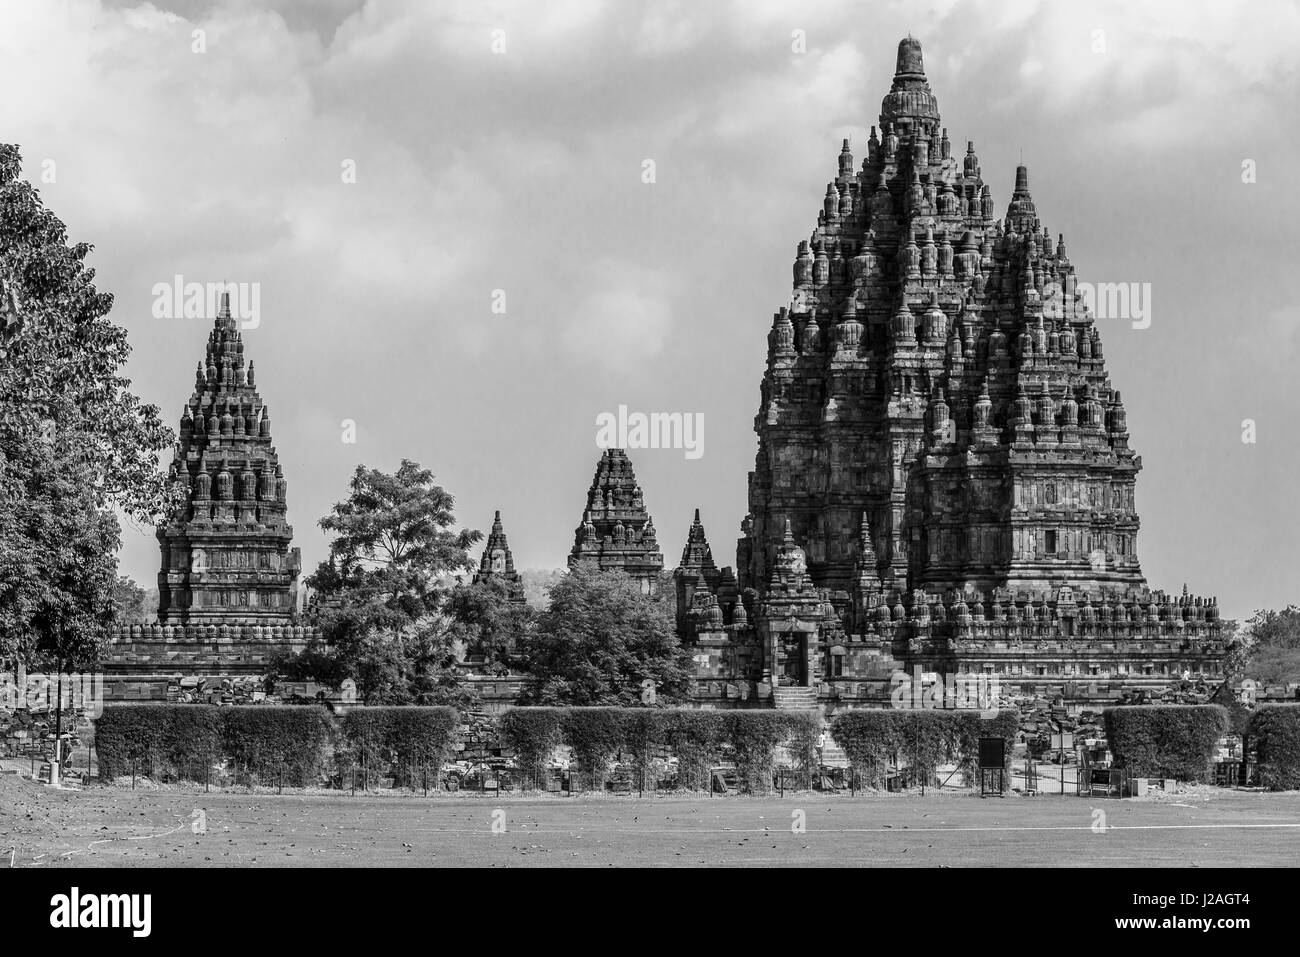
[{"x": 993, "y": 752}]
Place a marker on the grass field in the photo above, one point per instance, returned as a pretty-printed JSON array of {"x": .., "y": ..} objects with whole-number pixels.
[{"x": 104, "y": 826}]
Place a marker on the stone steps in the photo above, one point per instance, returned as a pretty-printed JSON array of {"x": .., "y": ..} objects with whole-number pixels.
[
  {"x": 833, "y": 755},
  {"x": 794, "y": 698}
]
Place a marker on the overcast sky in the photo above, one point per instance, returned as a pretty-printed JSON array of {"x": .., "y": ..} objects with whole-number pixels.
[{"x": 521, "y": 170}]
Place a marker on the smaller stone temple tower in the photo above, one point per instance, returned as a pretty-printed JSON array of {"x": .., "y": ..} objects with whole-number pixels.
[
  {"x": 228, "y": 586},
  {"x": 226, "y": 550},
  {"x": 616, "y": 531},
  {"x": 497, "y": 564}
]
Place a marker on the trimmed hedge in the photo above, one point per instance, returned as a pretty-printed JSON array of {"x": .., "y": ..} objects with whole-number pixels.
[
  {"x": 157, "y": 739},
  {"x": 261, "y": 740},
  {"x": 596, "y": 737},
  {"x": 399, "y": 740},
  {"x": 696, "y": 738},
  {"x": 532, "y": 733},
  {"x": 1275, "y": 730},
  {"x": 181, "y": 740},
  {"x": 875, "y": 737},
  {"x": 972, "y": 726},
  {"x": 804, "y": 731},
  {"x": 755, "y": 735},
  {"x": 1166, "y": 741}
]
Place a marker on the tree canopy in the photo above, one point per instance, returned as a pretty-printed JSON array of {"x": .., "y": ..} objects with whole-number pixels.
[
  {"x": 487, "y": 623},
  {"x": 75, "y": 442},
  {"x": 380, "y": 594},
  {"x": 601, "y": 638},
  {"x": 1271, "y": 645}
]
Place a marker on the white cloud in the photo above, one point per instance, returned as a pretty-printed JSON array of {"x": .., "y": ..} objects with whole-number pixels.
[{"x": 623, "y": 323}]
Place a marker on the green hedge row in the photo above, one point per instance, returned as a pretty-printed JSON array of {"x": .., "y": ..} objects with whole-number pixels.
[
  {"x": 263, "y": 741},
  {"x": 1275, "y": 730},
  {"x": 1166, "y": 741},
  {"x": 923, "y": 739},
  {"x": 180, "y": 741},
  {"x": 400, "y": 741},
  {"x": 697, "y": 738},
  {"x": 157, "y": 739}
]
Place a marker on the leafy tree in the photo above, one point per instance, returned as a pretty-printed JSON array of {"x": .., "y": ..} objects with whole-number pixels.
[
  {"x": 380, "y": 594},
  {"x": 1276, "y": 629},
  {"x": 538, "y": 583},
  {"x": 1270, "y": 643},
  {"x": 60, "y": 358},
  {"x": 486, "y": 622},
  {"x": 600, "y": 638},
  {"x": 56, "y": 589},
  {"x": 74, "y": 441},
  {"x": 131, "y": 600}
]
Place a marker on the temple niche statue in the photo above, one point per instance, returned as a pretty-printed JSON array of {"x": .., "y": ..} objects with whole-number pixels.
[{"x": 948, "y": 472}]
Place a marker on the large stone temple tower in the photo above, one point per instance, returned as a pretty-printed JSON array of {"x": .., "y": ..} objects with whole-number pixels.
[
  {"x": 226, "y": 550},
  {"x": 939, "y": 440},
  {"x": 936, "y": 373}
]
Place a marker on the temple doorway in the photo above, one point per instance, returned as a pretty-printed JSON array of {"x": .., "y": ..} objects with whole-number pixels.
[{"x": 794, "y": 660}]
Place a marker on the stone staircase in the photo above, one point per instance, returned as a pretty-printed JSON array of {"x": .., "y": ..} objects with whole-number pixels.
[
  {"x": 833, "y": 755},
  {"x": 791, "y": 698}
]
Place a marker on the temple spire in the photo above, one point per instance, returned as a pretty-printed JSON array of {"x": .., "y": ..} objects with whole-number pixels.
[
  {"x": 1021, "y": 212},
  {"x": 498, "y": 563},
  {"x": 909, "y": 62},
  {"x": 909, "y": 102},
  {"x": 618, "y": 532}
]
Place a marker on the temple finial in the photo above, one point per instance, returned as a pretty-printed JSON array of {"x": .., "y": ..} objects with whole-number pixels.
[
  {"x": 909, "y": 57},
  {"x": 1022, "y": 178}
]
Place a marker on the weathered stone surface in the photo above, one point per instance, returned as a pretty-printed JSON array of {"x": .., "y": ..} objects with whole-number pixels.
[
  {"x": 616, "y": 531},
  {"x": 225, "y": 552},
  {"x": 498, "y": 563},
  {"x": 943, "y": 473}
]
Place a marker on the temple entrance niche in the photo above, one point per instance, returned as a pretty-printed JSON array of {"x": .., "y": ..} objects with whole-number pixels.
[{"x": 792, "y": 658}]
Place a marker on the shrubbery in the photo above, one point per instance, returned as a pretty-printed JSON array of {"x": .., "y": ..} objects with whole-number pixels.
[
  {"x": 182, "y": 740},
  {"x": 754, "y": 736},
  {"x": 403, "y": 741},
  {"x": 1166, "y": 741},
  {"x": 922, "y": 738},
  {"x": 157, "y": 739},
  {"x": 179, "y": 740},
  {"x": 262, "y": 740},
  {"x": 696, "y": 738},
  {"x": 532, "y": 733},
  {"x": 598, "y": 735},
  {"x": 1275, "y": 729}
]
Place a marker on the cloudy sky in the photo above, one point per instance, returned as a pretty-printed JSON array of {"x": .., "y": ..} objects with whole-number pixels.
[{"x": 500, "y": 146}]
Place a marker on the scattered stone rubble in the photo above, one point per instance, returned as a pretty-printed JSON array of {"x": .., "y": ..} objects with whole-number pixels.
[{"x": 223, "y": 691}]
